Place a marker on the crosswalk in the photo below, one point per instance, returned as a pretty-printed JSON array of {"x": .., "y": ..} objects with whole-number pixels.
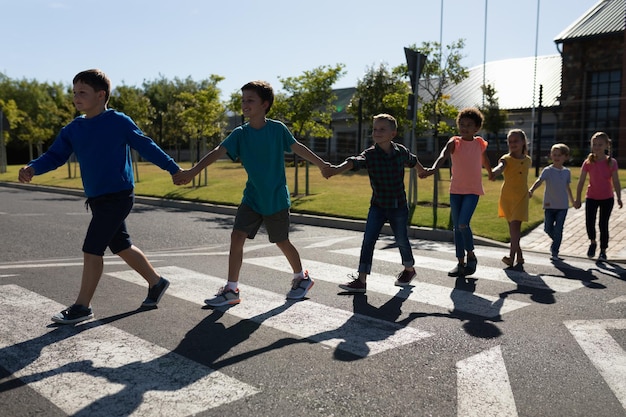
[{"x": 118, "y": 373}]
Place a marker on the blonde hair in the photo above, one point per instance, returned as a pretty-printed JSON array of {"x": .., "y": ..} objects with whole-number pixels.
[
  {"x": 560, "y": 147},
  {"x": 591, "y": 158},
  {"x": 522, "y": 135},
  {"x": 392, "y": 120}
]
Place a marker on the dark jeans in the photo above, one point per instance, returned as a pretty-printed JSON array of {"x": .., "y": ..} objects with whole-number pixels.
[
  {"x": 591, "y": 211},
  {"x": 376, "y": 218},
  {"x": 554, "y": 219},
  {"x": 462, "y": 208}
]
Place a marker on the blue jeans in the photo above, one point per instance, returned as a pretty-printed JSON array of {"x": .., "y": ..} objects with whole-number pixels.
[
  {"x": 554, "y": 219},
  {"x": 376, "y": 218},
  {"x": 462, "y": 208}
]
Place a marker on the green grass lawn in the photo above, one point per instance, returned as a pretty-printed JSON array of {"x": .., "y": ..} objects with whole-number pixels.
[{"x": 345, "y": 195}]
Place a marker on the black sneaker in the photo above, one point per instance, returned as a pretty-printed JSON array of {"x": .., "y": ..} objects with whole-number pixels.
[
  {"x": 602, "y": 256},
  {"x": 591, "y": 252},
  {"x": 356, "y": 285},
  {"x": 458, "y": 271},
  {"x": 470, "y": 268},
  {"x": 155, "y": 293},
  {"x": 405, "y": 277},
  {"x": 73, "y": 314}
]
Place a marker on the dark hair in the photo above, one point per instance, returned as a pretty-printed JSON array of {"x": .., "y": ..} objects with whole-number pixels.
[
  {"x": 263, "y": 89},
  {"x": 471, "y": 113},
  {"x": 96, "y": 79}
]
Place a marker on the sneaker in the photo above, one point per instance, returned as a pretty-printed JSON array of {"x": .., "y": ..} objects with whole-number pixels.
[
  {"x": 458, "y": 271},
  {"x": 224, "y": 297},
  {"x": 591, "y": 252},
  {"x": 300, "y": 286},
  {"x": 602, "y": 256},
  {"x": 405, "y": 277},
  {"x": 470, "y": 267},
  {"x": 73, "y": 314},
  {"x": 356, "y": 285},
  {"x": 155, "y": 293},
  {"x": 508, "y": 261}
]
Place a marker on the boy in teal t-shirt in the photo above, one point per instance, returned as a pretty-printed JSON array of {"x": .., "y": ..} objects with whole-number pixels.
[{"x": 260, "y": 145}]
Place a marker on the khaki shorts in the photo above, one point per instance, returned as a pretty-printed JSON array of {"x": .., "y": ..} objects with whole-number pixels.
[{"x": 249, "y": 222}]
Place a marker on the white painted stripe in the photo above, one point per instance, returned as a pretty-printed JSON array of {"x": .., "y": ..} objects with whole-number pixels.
[
  {"x": 54, "y": 265},
  {"x": 329, "y": 242},
  {"x": 621, "y": 299},
  {"x": 483, "y": 387},
  {"x": 358, "y": 334},
  {"x": 446, "y": 297},
  {"x": 96, "y": 369},
  {"x": 605, "y": 353},
  {"x": 544, "y": 282},
  {"x": 8, "y": 275}
]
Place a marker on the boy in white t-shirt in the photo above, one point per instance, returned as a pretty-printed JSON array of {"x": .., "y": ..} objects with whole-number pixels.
[{"x": 555, "y": 197}]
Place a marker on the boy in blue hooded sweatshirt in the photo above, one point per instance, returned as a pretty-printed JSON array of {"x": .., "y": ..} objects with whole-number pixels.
[{"x": 101, "y": 139}]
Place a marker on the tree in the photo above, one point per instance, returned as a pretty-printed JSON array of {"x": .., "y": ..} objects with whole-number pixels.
[
  {"x": 440, "y": 71},
  {"x": 134, "y": 103},
  {"x": 382, "y": 90},
  {"x": 308, "y": 105},
  {"x": 495, "y": 119}
]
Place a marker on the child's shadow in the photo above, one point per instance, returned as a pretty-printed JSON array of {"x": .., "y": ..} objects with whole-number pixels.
[
  {"x": 611, "y": 269},
  {"x": 475, "y": 325},
  {"x": 532, "y": 285},
  {"x": 586, "y": 276}
]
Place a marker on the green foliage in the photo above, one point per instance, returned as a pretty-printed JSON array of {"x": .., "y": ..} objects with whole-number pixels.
[
  {"x": 442, "y": 69},
  {"x": 382, "y": 90},
  {"x": 308, "y": 107},
  {"x": 495, "y": 118}
]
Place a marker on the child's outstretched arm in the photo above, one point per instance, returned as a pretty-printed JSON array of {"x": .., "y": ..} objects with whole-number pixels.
[
  {"x": 536, "y": 185},
  {"x": 579, "y": 188},
  {"x": 304, "y": 152},
  {"x": 487, "y": 166},
  {"x": 497, "y": 170},
  {"x": 186, "y": 175},
  {"x": 342, "y": 167},
  {"x": 618, "y": 188},
  {"x": 443, "y": 156}
]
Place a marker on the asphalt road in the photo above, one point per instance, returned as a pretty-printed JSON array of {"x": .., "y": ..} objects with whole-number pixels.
[{"x": 549, "y": 340}]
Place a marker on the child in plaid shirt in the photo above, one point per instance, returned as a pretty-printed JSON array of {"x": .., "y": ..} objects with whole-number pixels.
[{"x": 385, "y": 162}]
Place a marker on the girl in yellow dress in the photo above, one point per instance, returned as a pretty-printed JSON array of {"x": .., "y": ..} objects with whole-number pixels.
[{"x": 513, "y": 203}]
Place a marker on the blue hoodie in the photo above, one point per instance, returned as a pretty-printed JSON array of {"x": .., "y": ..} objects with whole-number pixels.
[{"x": 102, "y": 146}]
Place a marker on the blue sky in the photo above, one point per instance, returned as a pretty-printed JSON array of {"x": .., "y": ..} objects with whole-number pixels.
[{"x": 243, "y": 40}]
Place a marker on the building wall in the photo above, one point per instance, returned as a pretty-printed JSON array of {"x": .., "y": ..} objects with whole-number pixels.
[{"x": 580, "y": 58}]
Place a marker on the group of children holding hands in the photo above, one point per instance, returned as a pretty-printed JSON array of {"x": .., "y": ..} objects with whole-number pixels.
[{"x": 101, "y": 139}]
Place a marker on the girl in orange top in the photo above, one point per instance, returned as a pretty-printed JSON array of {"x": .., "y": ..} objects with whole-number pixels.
[
  {"x": 513, "y": 203},
  {"x": 467, "y": 153}
]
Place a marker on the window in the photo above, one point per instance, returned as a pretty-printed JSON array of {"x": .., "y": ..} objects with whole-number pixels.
[{"x": 603, "y": 94}]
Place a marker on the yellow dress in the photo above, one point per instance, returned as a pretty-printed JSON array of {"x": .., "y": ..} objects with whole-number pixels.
[{"x": 513, "y": 203}]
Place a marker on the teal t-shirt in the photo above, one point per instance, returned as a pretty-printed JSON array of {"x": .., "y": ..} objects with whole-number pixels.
[{"x": 262, "y": 153}]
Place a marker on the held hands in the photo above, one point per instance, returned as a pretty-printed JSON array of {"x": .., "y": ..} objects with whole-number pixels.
[
  {"x": 426, "y": 173},
  {"x": 26, "y": 174},
  {"x": 327, "y": 170},
  {"x": 577, "y": 204},
  {"x": 182, "y": 177}
]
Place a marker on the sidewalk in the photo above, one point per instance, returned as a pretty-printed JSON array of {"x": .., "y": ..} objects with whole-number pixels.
[{"x": 575, "y": 240}]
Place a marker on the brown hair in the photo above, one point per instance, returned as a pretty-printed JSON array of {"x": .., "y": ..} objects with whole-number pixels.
[
  {"x": 263, "y": 89},
  {"x": 96, "y": 79},
  {"x": 591, "y": 158}
]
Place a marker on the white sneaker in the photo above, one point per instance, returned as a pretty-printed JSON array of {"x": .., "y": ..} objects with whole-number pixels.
[{"x": 224, "y": 297}]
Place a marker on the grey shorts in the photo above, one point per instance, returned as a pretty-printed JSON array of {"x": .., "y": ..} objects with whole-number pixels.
[{"x": 249, "y": 222}]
